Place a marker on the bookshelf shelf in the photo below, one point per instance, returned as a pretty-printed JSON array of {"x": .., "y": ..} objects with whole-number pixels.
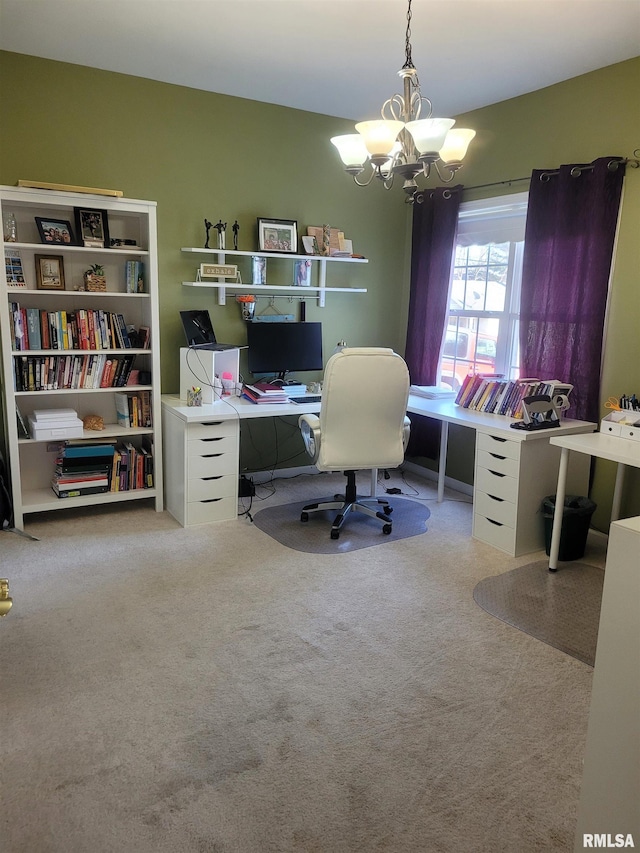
[{"x": 32, "y": 461}]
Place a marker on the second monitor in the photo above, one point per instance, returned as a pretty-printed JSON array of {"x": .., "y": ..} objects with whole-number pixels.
[{"x": 281, "y": 348}]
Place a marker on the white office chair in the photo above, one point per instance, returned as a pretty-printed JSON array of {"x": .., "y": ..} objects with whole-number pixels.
[{"x": 362, "y": 425}]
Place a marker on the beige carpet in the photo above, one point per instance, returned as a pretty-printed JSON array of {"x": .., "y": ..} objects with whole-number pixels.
[
  {"x": 409, "y": 518},
  {"x": 560, "y": 608},
  {"x": 211, "y": 691}
]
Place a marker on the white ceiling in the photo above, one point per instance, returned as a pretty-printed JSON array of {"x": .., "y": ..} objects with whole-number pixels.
[{"x": 338, "y": 57}]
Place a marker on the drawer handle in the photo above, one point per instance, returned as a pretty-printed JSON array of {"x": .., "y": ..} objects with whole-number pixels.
[
  {"x": 211, "y": 501},
  {"x": 210, "y": 423},
  {"x": 494, "y": 498},
  {"x": 496, "y": 438},
  {"x": 497, "y": 523},
  {"x": 496, "y": 456},
  {"x": 219, "y": 438},
  {"x": 211, "y": 455},
  {"x": 496, "y": 473},
  {"x": 206, "y": 479}
]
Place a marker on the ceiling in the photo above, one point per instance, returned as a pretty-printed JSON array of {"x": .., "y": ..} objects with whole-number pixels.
[{"x": 338, "y": 57}]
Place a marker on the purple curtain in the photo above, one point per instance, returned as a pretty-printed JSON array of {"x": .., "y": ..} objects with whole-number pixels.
[
  {"x": 433, "y": 239},
  {"x": 571, "y": 224}
]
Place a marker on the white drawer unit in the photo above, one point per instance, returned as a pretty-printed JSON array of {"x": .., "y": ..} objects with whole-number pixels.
[
  {"x": 513, "y": 475},
  {"x": 203, "y": 458}
]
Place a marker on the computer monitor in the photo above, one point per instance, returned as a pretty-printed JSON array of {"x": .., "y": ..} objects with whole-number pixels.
[{"x": 281, "y": 348}]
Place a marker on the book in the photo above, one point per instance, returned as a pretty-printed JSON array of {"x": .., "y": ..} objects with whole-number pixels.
[
  {"x": 267, "y": 388},
  {"x": 123, "y": 412}
]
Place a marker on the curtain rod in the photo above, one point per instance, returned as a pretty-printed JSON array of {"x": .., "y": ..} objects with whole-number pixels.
[{"x": 612, "y": 165}]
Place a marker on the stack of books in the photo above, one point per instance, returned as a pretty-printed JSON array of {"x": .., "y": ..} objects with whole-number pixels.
[
  {"x": 55, "y": 424},
  {"x": 83, "y": 468},
  {"x": 263, "y": 392}
]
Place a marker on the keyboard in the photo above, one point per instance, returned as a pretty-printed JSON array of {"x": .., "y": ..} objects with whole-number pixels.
[{"x": 306, "y": 398}]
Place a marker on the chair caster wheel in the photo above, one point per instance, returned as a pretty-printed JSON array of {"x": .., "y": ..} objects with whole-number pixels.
[
  {"x": 304, "y": 516},
  {"x": 335, "y": 534},
  {"x": 386, "y": 529},
  {"x": 388, "y": 510}
]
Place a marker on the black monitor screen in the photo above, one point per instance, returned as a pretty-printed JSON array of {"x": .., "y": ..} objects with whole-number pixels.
[{"x": 284, "y": 347}]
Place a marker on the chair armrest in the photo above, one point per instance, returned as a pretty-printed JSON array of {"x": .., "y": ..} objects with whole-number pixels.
[{"x": 310, "y": 429}]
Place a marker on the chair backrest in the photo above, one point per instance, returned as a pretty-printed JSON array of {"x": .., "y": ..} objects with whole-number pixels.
[{"x": 364, "y": 403}]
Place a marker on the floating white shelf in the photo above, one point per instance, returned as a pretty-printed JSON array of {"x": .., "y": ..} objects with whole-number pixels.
[{"x": 318, "y": 292}]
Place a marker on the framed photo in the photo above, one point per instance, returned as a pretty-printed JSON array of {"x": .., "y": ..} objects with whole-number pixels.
[
  {"x": 278, "y": 235},
  {"x": 55, "y": 231},
  {"x": 92, "y": 228},
  {"x": 49, "y": 272},
  {"x": 302, "y": 273}
]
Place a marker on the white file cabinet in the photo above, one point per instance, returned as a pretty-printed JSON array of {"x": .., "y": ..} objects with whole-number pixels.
[
  {"x": 513, "y": 475},
  {"x": 202, "y": 478}
]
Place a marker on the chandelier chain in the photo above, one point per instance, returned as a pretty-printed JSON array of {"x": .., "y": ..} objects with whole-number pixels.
[{"x": 408, "y": 63}]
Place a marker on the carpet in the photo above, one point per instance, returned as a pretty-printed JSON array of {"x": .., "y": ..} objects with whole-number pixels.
[
  {"x": 560, "y": 608},
  {"x": 283, "y": 524}
]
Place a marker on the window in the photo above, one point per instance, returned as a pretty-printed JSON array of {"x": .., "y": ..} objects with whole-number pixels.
[{"x": 481, "y": 335}]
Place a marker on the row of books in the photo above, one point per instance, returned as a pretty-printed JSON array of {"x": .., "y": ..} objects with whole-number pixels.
[
  {"x": 53, "y": 372},
  {"x": 132, "y": 467},
  {"x": 83, "y": 329},
  {"x": 88, "y": 468},
  {"x": 263, "y": 392},
  {"x": 496, "y": 395},
  {"x": 133, "y": 410}
]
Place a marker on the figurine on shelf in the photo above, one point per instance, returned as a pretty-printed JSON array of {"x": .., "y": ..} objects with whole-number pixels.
[
  {"x": 207, "y": 225},
  {"x": 235, "y": 228},
  {"x": 221, "y": 227}
]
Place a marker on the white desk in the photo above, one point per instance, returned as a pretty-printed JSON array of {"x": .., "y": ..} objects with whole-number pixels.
[
  {"x": 515, "y": 469},
  {"x": 447, "y": 413},
  {"x": 624, "y": 451}
]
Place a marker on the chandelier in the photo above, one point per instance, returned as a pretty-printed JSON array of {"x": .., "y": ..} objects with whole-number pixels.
[{"x": 401, "y": 142}]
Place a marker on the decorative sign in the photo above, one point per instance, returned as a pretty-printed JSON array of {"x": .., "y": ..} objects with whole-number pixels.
[{"x": 218, "y": 271}]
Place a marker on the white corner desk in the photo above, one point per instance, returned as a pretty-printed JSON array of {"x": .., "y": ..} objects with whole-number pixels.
[
  {"x": 623, "y": 451},
  {"x": 514, "y": 471}
]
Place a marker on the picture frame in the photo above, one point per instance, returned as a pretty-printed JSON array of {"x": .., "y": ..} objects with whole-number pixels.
[
  {"x": 49, "y": 272},
  {"x": 92, "y": 227},
  {"x": 302, "y": 273},
  {"x": 55, "y": 231},
  {"x": 14, "y": 271},
  {"x": 278, "y": 235}
]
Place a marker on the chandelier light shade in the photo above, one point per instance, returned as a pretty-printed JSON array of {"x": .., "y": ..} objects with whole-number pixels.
[{"x": 405, "y": 143}]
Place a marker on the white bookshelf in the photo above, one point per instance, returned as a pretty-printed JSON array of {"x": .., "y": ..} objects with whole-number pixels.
[{"x": 31, "y": 462}]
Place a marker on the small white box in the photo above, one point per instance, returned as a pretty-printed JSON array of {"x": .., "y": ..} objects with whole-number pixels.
[
  {"x": 42, "y": 415},
  {"x": 56, "y": 430},
  {"x": 630, "y": 432},
  {"x": 610, "y": 425}
]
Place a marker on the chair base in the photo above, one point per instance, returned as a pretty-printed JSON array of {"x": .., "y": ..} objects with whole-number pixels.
[{"x": 352, "y": 503}]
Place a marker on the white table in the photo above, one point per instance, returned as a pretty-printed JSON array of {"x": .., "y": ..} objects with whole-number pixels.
[
  {"x": 623, "y": 451},
  {"x": 447, "y": 413},
  {"x": 515, "y": 469}
]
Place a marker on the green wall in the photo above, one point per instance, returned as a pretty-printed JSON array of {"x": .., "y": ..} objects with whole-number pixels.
[{"x": 201, "y": 155}]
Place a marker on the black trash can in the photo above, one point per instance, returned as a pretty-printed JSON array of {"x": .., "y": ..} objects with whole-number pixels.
[{"x": 576, "y": 518}]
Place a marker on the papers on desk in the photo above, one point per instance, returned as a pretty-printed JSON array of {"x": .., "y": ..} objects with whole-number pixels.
[{"x": 432, "y": 392}]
